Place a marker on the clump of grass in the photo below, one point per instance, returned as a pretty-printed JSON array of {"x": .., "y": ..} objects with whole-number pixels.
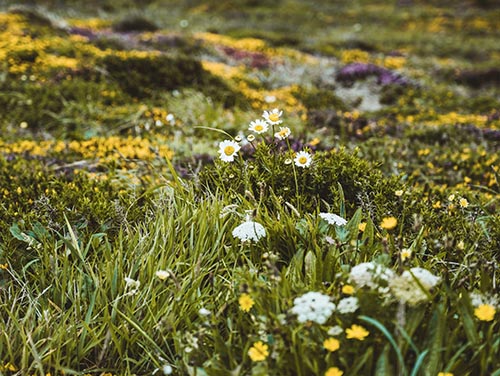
[{"x": 135, "y": 22}]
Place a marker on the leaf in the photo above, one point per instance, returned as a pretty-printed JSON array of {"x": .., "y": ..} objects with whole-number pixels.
[
  {"x": 418, "y": 363},
  {"x": 435, "y": 339},
  {"x": 388, "y": 335},
  {"x": 310, "y": 267},
  {"x": 383, "y": 367}
]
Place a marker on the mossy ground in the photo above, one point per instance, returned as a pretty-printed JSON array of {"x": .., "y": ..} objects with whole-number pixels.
[{"x": 106, "y": 105}]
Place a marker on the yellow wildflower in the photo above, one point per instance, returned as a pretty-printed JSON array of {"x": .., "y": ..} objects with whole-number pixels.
[
  {"x": 485, "y": 312},
  {"x": 362, "y": 226},
  {"x": 405, "y": 254},
  {"x": 445, "y": 374},
  {"x": 389, "y": 223},
  {"x": 463, "y": 202},
  {"x": 333, "y": 371},
  {"x": 399, "y": 192},
  {"x": 246, "y": 302},
  {"x": 331, "y": 344},
  {"x": 258, "y": 352},
  {"x": 356, "y": 332},
  {"x": 348, "y": 289}
]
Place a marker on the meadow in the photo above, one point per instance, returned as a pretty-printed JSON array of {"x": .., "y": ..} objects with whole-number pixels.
[{"x": 250, "y": 188}]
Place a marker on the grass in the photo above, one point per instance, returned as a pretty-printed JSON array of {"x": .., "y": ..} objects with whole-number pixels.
[{"x": 118, "y": 249}]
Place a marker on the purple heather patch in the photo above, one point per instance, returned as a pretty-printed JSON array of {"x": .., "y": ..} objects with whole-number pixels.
[{"x": 358, "y": 71}]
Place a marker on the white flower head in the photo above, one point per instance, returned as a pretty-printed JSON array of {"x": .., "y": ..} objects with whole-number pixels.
[
  {"x": 162, "y": 274},
  {"x": 333, "y": 219},
  {"x": 283, "y": 133},
  {"x": 335, "y": 330},
  {"x": 167, "y": 369},
  {"x": 371, "y": 275},
  {"x": 258, "y": 126},
  {"x": 303, "y": 159},
  {"x": 313, "y": 306},
  {"x": 477, "y": 299},
  {"x": 132, "y": 284},
  {"x": 249, "y": 231},
  {"x": 273, "y": 117},
  {"x": 228, "y": 149},
  {"x": 348, "y": 305},
  {"x": 204, "y": 312},
  {"x": 413, "y": 285}
]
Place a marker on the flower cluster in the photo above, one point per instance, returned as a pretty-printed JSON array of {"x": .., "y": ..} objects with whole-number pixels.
[
  {"x": 371, "y": 275},
  {"x": 228, "y": 149},
  {"x": 313, "y": 306},
  {"x": 414, "y": 285}
]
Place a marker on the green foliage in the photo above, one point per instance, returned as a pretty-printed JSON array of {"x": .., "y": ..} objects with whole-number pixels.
[{"x": 135, "y": 22}]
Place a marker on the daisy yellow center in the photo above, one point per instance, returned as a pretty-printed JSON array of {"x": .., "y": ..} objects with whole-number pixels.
[
  {"x": 259, "y": 127},
  {"x": 274, "y": 117},
  {"x": 282, "y": 133},
  {"x": 303, "y": 160},
  {"x": 229, "y": 150}
]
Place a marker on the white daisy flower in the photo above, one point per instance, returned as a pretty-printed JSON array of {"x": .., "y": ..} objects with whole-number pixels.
[
  {"x": 228, "y": 149},
  {"x": 258, "y": 126},
  {"x": 303, "y": 159},
  {"x": 313, "y": 306},
  {"x": 132, "y": 285},
  {"x": 162, "y": 274},
  {"x": 283, "y": 133},
  {"x": 273, "y": 117},
  {"x": 249, "y": 231},
  {"x": 333, "y": 219}
]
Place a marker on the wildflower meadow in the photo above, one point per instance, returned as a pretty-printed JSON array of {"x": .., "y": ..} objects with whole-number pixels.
[{"x": 247, "y": 187}]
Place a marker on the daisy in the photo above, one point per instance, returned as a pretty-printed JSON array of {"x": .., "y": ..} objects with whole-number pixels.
[
  {"x": 283, "y": 133},
  {"x": 258, "y": 126},
  {"x": 228, "y": 149},
  {"x": 273, "y": 117},
  {"x": 303, "y": 159}
]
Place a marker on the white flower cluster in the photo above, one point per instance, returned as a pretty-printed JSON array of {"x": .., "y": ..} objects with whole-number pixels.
[
  {"x": 372, "y": 275},
  {"x": 414, "y": 285},
  {"x": 348, "y": 305},
  {"x": 249, "y": 230},
  {"x": 313, "y": 306},
  {"x": 477, "y": 299},
  {"x": 333, "y": 219}
]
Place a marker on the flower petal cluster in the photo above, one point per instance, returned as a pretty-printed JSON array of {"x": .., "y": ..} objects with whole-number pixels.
[
  {"x": 485, "y": 312},
  {"x": 334, "y": 371},
  {"x": 228, "y": 149},
  {"x": 283, "y": 133},
  {"x": 249, "y": 231},
  {"x": 331, "y": 344},
  {"x": 414, "y": 285},
  {"x": 333, "y": 219},
  {"x": 303, "y": 159},
  {"x": 313, "y": 306},
  {"x": 356, "y": 332},
  {"x": 258, "y": 352},
  {"x": 246, "y": 302},
  {"x": 371, "y": 275},
  {"x": 273, "y": 117},
  {"x": 258, "y": 126},
  {"x": 348, "y": 305}
]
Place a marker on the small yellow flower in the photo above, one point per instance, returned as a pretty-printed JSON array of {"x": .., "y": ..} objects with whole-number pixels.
[
  {"x": 485, "y": 312},
  {"x": 246, "y": 302},
  {"x": 9, "y": 367},
  {"x": 4, "y": 266},
  {"x": 405, "y": 254},
  {"x": 258, "y": 352},
  {"x": 362, "y": 226},
  {"x": 445, "y": 374},
  {"x": 356, "y": 332},
  {"x": 451, "y": 197},
  {"x": 436, "y": 205},
  {"x": 389, "y": 223},
  {"x": 333, "y": 371},
  {"x": 463, "y": 202},
  {"x": 348, "y": 289},
  {"x": 331, "y": 344},
  {"x": 399, "y": 192}
]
